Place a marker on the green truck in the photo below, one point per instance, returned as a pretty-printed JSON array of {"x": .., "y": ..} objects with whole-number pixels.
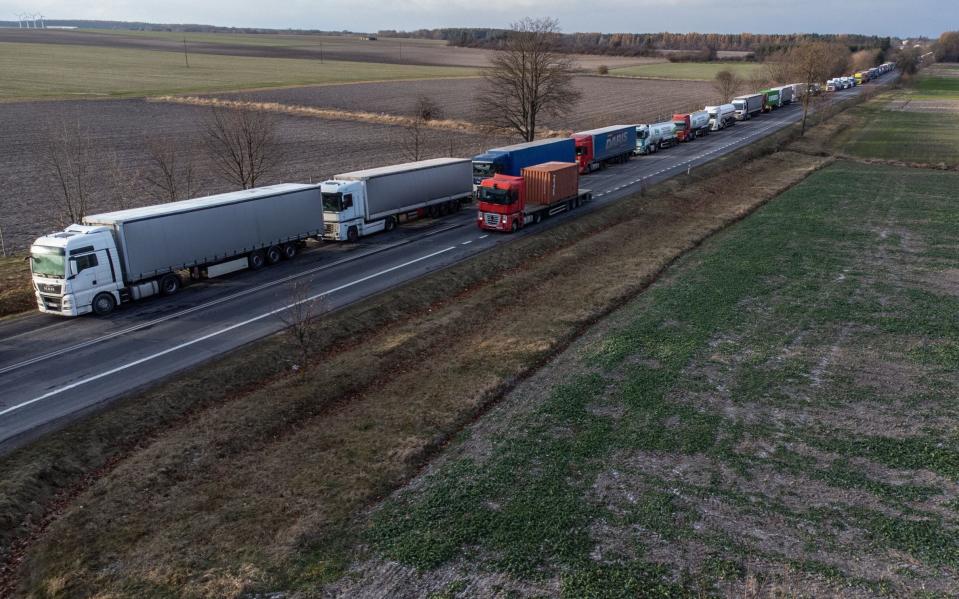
[{"x": 773, "y": 99}]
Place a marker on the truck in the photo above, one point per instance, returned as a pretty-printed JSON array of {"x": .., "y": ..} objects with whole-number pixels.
[
  {"x": 773, "y": 99},
  {"x": 511, "y": 160},
  {"x": 786, "y": 94},
  {"x": 508, "y": 203},
  {"x": 599, "y": 147},
  {"x": 721, "y": 116},
  {"x": 692, "y": 125},
  {"x": 128, "y": 255},
  {"x": 364, "y": 202},
  {"x": 654, "y": 137},
  {"x": 749, "y": 106}
]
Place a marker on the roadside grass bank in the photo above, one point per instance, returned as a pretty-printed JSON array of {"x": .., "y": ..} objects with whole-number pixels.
[
  {"x": 16, "y": 292},
  {"x": 255, "y": 477},
  {"x": 52, "y": 71},
  {"x": 778, "y": 411},
  {"x": 690, "y": 70}
]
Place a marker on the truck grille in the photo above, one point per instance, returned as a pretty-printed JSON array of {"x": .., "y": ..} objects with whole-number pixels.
[
  {"x": 51, "y": 303},
  {"x": 329, "y": 229},
  {"x": 48, "y": 288},
  {"x": 492, "y": 220}
]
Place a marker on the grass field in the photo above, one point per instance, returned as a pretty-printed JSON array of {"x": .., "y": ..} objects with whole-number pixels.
[
  {"x": 918, "y": 125},
  {"x": 16, "y": 292},
  {"x": 261, "y": 39},
  {"x": 690, "y": 70},
  {"x": 37, "y": 71},
  {"x": 782, "y": 401}
]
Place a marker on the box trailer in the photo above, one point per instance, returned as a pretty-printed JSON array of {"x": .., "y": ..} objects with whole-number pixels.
[
  {"x": 786, "y": 94},
  {"x": 128, "y": 255},
  {"x": 654, "y": 137},
  {"x": 598, "y": 147},
  {"x": 773, "y": 98},
  {"x": 369, "y": 201},
  {"x": 511, "y": 160},
  {"x": 508, "y": 203},
  {"x": 748, "y": 106}
]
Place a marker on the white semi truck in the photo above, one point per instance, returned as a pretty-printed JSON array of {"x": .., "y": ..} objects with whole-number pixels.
[
  {"x": 749, "y": 106},
  {"x": 657, "y": 136},
  {"x": 128, "y": 255},
  {"x": 721, "y": 116},
  {"x": 373, "y": 200}
]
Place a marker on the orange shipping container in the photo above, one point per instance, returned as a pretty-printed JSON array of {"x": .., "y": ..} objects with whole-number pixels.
[{"x": 551, "y": 182}]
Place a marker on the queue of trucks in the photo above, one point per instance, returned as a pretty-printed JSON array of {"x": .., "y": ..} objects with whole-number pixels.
[{"x": 122, "y": 256}]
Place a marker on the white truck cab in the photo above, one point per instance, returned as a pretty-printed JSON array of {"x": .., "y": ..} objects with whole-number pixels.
[
  {"x": 344, "y": 211},
  {"x": 72, "y": 267}
]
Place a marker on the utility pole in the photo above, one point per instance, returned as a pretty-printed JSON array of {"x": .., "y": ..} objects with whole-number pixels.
[
  {"x": 186, "y": 56},
  {"x": 321, "y": 51},
  {"x": 3, "y": 247}
]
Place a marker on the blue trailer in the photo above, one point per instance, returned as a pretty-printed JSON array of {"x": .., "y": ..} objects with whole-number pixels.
[
  {"x": 599, "y": 147},
  {"x": 511, "y": 160}
]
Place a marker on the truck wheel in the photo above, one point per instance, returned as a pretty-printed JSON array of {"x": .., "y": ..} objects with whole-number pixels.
[
  {"x": 389, "y": 224},
  {"x": 653, "y": 148},
  {"x": 352, "y": 234},
  {"x": 273, "y": 255},
  {"x": 169, "y": 284},
  {"x": 513, "y": 227},
  {"x": 257, "y": 260},
  {"x": 289, "y": 251},
  {"x": 103, "y": 304}
]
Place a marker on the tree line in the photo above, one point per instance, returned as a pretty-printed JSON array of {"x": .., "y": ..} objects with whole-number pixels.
[{"x": 642, "y": 44}]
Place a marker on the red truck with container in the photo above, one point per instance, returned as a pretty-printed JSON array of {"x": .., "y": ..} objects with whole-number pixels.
[{"x": 508, "y": 203}]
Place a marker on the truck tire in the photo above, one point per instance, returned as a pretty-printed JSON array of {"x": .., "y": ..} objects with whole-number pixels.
[
  {"x": 257, "y": 260},
  {"x": 352, "y": 234},
  {"x": 169, "y": 284},
  {"x": 513, "y": 228},
  {"x": 289, "y": 251},
  {"x": 103, "y": 304},
  {"x": 389, "y": 224},
  {"x": 273, "y": 255},
  {"x": 653, "y": 148}
]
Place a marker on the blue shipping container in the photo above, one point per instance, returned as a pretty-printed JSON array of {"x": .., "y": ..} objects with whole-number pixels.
[{"x": 511, "y": 160}]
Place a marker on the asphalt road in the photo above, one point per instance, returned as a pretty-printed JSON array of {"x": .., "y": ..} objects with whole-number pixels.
[{"x": 52, "y": 369}]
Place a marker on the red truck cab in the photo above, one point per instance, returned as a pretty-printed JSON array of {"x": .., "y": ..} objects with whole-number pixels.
[
  {"x": 584, "y": 152},
  {"x": 684, "y": 127},
  {"x": 501, "y": 203}
]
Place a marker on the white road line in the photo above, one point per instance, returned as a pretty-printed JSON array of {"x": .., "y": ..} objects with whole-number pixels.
[
  {"x": 217, "y": 333},
  {"x": 467, "y": 242},
  {"x": 209, "y": 304},
  {"x": 484, "y": 236}
]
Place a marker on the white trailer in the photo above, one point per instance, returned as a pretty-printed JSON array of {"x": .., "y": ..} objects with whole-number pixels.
[
  {"x": 748, "y": 106},
  {"x": 128, "y": 255},
  {"x": 373, "y": 200}
]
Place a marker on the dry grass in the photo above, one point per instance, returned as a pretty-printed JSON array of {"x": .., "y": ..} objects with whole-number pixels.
[
  {"x": 16, "y": 293},
  {"x": 257, "y": 485},
  {"x": 335, "y": 114}
]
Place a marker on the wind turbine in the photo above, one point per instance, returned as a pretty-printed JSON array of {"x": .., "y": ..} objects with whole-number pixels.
[{"x": 42, "y": 26}]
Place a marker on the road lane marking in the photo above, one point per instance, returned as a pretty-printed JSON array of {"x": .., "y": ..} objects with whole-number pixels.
[
  {"x": 467, "y": 242},
  {"x": 216, "y": 333},
  {"x": 212, "y": 303}
]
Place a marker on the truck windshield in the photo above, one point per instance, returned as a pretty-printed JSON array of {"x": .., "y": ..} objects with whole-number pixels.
[
  {"x": 739, "y": 105},
  {"x": 580, "y": 150},
  {"x": 47, "y": 261},
  {"x": 642, "y": 133},
  {"x": 333, "y": 202},
  {"x": 495, "y": 196},
  {"x": 680, "y": 125},
  {"x": 483, "y": 170}
]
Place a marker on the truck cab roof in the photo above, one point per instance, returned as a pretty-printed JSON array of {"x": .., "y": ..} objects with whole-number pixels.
[{"x": 73, "y": 236}]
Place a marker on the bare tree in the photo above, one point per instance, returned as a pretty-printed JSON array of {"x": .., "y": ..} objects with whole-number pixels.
[
  {"x": 527, "y": 78},
  {"x": 300, "y": 320},
  {"x": 243, "y": 144},
  {"x": 171, "y": 175},
  {"x": 417, "y": 130},
  {"x": 814, "y": 63},
  {"x": 727, "y": 85},
  {"x": 68, "y": 157},
  {"x": 909, "y": 61},
  {"x": 121, "y": 181}
]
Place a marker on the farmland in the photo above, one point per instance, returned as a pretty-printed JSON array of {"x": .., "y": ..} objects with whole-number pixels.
[
  {"x": 302, "y": 46},
  {"x": 119, "y": 132},
  {"x": 918, "y": 125},
  {"x": 606, "y": 100},
  {"x": 691, "y": 70},
  {"x": 781, "y": 401},
  {"x": 49, "y": 71}
]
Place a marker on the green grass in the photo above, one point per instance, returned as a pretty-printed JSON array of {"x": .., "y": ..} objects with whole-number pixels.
[
  {"x": 33, "y": 71},
  {"x": 888, "y": 133},
  {"x": 689, "y": 70},
  {"x": 770, "y": 289}
]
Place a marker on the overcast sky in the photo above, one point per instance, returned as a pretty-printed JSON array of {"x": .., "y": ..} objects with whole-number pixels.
[{"x": 882, "y": 17}]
